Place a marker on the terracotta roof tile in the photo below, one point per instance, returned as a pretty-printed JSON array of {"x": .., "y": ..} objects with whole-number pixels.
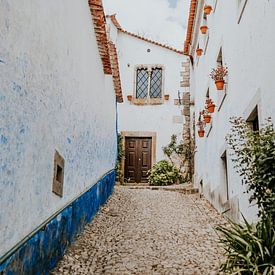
[
  {"x": 101, "y": 34},
  {"x": 192, "y": 13},
  {"x": 115, "y": 70},
  {"x": 118, "y": 26}
]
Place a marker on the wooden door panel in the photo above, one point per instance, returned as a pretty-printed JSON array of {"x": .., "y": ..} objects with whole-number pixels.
[{"x": 137, "y": 159}]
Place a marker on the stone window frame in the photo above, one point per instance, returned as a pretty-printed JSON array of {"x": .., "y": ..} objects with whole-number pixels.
[
  {"x": 241, "y": 4},
  {"x": 148, "y": 100}
]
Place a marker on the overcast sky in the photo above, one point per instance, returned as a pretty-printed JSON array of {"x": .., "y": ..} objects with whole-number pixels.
[{"x": 161, "y": 20}]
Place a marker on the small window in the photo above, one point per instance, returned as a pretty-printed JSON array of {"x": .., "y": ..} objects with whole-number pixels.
[
  {"x": 225, "y": 174},
  {"x": 220, "y": 58},
  {"x": 149, "y": 82},
  {"x": 253, "y": 120},
  {"x": 58, "y": 178}
]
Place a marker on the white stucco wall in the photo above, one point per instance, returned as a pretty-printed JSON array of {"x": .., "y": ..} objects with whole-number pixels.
[
  {"x": 248, "y": 54},
  {"x": 53, "y": 95},
  {"x": 152, "y": 118}
]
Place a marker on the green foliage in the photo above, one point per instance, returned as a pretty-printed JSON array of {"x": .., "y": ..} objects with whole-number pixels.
[
  {"x": 119, "y": 173},
  {"x": 250, "y": 249},
  {"x": 163, "y": 173},
  {"x": 180, "y": 151},
  {"x": 254, "y": 159}
]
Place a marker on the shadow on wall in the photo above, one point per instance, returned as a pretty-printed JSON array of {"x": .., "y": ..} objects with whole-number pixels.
[{"x": 42, "y": 251}]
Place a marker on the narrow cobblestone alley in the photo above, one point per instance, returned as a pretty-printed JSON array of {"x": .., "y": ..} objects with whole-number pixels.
[{"x": 143, "y": 231}]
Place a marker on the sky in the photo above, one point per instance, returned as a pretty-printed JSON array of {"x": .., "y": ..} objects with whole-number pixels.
[{"x": 164, "y": 21}]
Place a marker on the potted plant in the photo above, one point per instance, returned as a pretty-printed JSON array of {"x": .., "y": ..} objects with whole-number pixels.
[
  {"x": 203, "y": 29},
  {"x": 210, "y": 106},
  {"x": 218, "y": 74},
  {"x": 166, "y": 97},
  {"x": 207, "y": 9},
  {"x": 201, "y": 125},
  {"x": 206, "y": 116},
  {"x": 199, "y": 51},
  {"x": 129, "y": 97}
]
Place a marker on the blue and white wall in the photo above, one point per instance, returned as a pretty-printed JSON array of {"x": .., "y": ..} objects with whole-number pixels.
[{"x": 53, "y": 96}]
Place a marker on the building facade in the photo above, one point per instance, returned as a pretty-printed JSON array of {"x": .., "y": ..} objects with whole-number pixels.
[
  {"x": 233, "y": 37},
  {"x": 151, "y": 112},
  {"x": 58, "y": 127}
]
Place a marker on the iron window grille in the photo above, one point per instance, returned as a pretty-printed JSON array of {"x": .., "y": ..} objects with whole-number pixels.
[{"x": 149, "y": 82}]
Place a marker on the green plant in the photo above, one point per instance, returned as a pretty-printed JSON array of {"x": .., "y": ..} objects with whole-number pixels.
[
  {"x": 254, "y": 159},
  {"x": 163, "y": 173},
  {"x": 175, "y": 150},
  {"x": 119, "y": 174},
  {"x": 250, "y": 249}
]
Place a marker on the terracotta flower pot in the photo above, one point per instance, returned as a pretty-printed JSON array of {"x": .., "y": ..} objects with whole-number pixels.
[
  {"x": 166, "y": 97},
  {"x": 129, "y": 97},
  {"x": 207, "y": 9},
  {"x": 207, "y": 118},
  {"x": 199, "y": 52},
  {"x": 211, "y": 108},
  {"x": 201, "y": 133},
  {"x": 203, "y": 29},
  {"x": 219, "y": 84}
]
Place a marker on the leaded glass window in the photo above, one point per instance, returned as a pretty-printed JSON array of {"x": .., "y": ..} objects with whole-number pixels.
[
  {"x": 156, "y": 83},
  {"x": 142, "y": 83},
  {"x": 149, "y": 79}
]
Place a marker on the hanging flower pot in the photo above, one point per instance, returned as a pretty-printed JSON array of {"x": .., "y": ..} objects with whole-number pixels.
[
  {"x": 166, "y": 97},
  {"x": 129, "y": 97},
  {"x": 207, "y": 9},
  {"x": 207, "y": 118},
  {"x": 211, "y": 108},
  {"x": 199, "y": 52},
  {"x": 218, "y": 74},
  {"x": 201, "y": 133},
  {"x": 219, "y": 84},
  {"x": 203, "y": 29}
]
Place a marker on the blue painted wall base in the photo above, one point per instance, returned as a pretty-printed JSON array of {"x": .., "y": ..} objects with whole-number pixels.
[{"x": 42, "y": 251}]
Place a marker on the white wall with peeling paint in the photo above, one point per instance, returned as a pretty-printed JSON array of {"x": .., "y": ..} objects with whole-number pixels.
[
  {"x": 53, "y": 95},
  {"x": 246, "y": 36},
  {"x": 149, "y": 118}
]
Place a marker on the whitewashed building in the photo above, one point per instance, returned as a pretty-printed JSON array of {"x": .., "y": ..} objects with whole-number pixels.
[
  {"x": 151, "y": 84},
  {"x": 57, "y": 127},
  {"x": 240, "y": 36}
]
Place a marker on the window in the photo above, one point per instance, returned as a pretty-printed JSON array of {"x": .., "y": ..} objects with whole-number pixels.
[
  {"x": 149, "y": 82},
  {"x": 58, "y": 178},
  {"x": 253, "y": 119},
  {"x": 225, "y": 174}
]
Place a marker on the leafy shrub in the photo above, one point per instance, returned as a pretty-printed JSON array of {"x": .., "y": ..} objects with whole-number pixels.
[
  {"x": 119, "y": 174},
  {"x": 250, "y": 249},
  {"x": 163, "y": 173}
]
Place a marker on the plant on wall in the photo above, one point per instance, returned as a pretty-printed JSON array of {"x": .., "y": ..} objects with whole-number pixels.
[
  {"x": 218, "y": 74},
  {"x": 250, "y": 249},
  {"x": 119, "y": 174},
  {"x": 201, "y": 126},
  {"x": 176, "y": 152}
]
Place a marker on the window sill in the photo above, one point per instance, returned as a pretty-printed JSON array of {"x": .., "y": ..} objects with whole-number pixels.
[{"x": 147, "y": 101}]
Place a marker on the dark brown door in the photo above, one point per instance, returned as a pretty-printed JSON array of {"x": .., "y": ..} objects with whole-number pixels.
[{"x": 137, "y": 159}]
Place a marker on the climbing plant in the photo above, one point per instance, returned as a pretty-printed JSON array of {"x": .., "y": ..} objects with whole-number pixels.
[{"x": 119, "y": 174}]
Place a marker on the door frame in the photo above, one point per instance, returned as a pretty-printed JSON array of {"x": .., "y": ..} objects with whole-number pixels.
[{"x": 139, "y": 134}]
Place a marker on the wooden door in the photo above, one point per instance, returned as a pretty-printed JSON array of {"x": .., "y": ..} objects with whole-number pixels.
[{"x": 137, "y": 159}]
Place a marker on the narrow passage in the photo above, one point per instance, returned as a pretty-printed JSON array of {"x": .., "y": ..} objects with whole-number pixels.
[{"x": 143, "y": 231}]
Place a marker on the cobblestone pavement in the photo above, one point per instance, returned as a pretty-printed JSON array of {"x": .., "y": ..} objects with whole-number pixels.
[{"x": 143, "y": 231}]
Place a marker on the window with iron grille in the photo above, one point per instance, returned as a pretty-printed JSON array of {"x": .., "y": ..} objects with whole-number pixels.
[{"x": 148, "y": 82}]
